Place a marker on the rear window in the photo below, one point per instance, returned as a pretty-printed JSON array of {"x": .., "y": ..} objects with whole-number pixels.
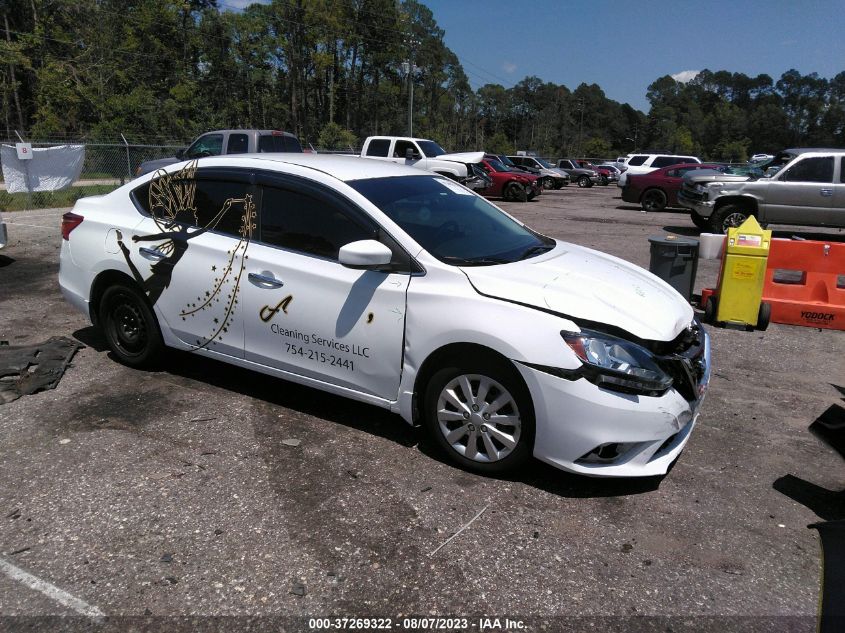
[
  {"x": 278, "y": 143},
  {"x": 378, "y": 147},
  {"x": 665, "y": 161},
  {"x": 636, "y": 160}
]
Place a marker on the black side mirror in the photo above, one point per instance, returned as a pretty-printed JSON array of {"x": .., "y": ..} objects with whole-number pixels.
[
  {"x": 409, "y": 153},
  {"x": 180, "y": 153}
]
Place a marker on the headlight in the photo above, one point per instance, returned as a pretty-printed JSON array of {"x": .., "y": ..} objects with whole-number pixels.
[{"x": 617, "y": 364}]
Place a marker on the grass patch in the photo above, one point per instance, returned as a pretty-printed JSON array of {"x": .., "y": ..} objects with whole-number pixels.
[{"x": 50, "y": 199}]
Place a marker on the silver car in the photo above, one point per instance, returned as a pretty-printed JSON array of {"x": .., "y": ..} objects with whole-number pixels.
[{"x": 803, "y": 186}]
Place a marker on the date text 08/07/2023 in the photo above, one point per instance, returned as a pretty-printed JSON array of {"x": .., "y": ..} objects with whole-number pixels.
[{"x": 418, "y": 624}]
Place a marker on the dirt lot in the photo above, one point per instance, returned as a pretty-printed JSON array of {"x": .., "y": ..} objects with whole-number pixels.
[{"x": 180, "y": 492}]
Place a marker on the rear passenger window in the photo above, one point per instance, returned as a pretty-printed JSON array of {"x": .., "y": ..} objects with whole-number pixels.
[
  {"x": 818, "y": 169},
  {"x": 220, "y": 205},
  {"x": 665, "y": 161},
  {"x": 378, "y": 147},
  {"x": 278, "y": 143},
  {"x": 634, "y": 161},
  {"x": 307, "y": 224},
  {"x": 238, "y": 144}
]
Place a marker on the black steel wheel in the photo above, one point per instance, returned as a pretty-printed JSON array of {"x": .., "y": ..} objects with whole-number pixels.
[
  {"x": 130, "y": 327},
  {"x": 653, "y": 200}
]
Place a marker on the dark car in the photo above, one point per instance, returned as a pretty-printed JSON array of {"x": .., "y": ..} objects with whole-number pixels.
[{"x": 658, "y": 189}]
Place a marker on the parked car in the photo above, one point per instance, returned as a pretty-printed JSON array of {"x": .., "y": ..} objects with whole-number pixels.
[
  {"x": 761, "y": 158},
  {"x": 560, "y": 179},
  {"x": 584, "y": 177},
  {"x": 552, "y": 178},
  {"x": 606, "y": 175},
  {"x": 644, "y": 163},
  {"x": 806, "y": 186},
  {"x": 402, "y": 289},
  {"x": 509, "y": 184},
  {"x": 659, "y": 189},
  {"x": 4, "y": 235},
  {"x": 221, "y": 142},
  {"x": 464, "y": 167}
]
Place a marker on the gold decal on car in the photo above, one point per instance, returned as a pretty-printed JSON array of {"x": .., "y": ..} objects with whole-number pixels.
[{"x": 266, "y": 313}]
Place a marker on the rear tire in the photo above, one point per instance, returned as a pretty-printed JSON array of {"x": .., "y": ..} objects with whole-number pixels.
[
  {"x": 710, "y": 310},
  {"x": 130, "y": 327},
  {"x": 653, "y": 200},
  {"x": 603, "y": 180},
  {"x": 464, "y": 425}
]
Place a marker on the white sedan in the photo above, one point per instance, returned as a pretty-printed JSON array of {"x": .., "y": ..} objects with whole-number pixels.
[{"x": 401, "y": 289}]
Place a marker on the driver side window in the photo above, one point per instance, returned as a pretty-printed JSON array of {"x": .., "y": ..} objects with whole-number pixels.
[
  {"x": 208, "y": 145},
  {"x": 819, "y": 169},
  {"x": 402, "y": 147}
]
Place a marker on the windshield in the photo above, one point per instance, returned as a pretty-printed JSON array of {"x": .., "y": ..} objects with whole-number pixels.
[
  {"x": 543, "y": 163},
  {"x": 498, "y": 165},
  {"x": 506, "y": 161},
  {"x": 430, "y": 148},
  {"x": 452, "y": 223}
]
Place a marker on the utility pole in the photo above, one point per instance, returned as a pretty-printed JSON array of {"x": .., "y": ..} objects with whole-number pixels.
[
  {"x": 409, "y": 69},
  {"x": 581, "y": 125}
]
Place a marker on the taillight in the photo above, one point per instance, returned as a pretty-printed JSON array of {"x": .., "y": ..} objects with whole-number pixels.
[{"x": 69, "y": 222}]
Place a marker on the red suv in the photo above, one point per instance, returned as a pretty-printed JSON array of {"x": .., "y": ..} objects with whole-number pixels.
[
  {"x": 659, "y": 189},
  {"x": 510, "y": 184}
]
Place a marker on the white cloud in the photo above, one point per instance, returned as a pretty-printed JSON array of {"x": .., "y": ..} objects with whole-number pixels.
[
  {"x": 508, "y": 67},
  {"x": 685, "y": 76},
  {"x": 239, "y": 5}
]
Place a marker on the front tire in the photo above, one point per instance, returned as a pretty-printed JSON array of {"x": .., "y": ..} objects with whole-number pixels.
[
  {"x": 698, "y": 220},
  {"x": 516, "y": 192},
  {"x": 727, "y": 216},
  {"x": 481, "y": 415},
  {"x": 603, "y": 180},
  {"x": 584, "y": 182},
  {"x": 549, "y": 183},
  {"x": 130, "y": 327}
]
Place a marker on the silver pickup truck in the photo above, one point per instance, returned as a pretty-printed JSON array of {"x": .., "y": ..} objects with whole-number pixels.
[
  {"x": 227, "y": 142},
  {"x": 803, "y": 186}
]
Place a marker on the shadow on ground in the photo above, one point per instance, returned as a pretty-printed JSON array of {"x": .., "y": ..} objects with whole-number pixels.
[{"x": 369, "y": 419}]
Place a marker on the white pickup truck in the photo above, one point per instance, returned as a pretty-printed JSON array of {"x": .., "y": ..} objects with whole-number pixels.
[{"x": 419, "y": 152}]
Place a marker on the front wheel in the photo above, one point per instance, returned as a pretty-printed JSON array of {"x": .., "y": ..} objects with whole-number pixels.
[
  {"x": 481, "y": 415},
  {"x": 698, "y": 220},
  {"x": 516, "y": 192},
  {"x": 130, "y": 327},
  {"x": 548, "y": 183},
  {"x": 584, "y": 181},
  {"x": 726, "y": 217},
  {"x": 603, "y": 180}
]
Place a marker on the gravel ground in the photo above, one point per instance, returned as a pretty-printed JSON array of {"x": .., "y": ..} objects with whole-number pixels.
[{"x": 179, "y": 492}]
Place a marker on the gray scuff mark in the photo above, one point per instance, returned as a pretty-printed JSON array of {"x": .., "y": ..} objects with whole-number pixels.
[
  {"x": 28, "y": 369},
  {"x": 463, "y": 527}
]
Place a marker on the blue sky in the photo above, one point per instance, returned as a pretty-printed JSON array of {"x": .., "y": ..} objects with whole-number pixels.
[{"x": 624, "y": 46}]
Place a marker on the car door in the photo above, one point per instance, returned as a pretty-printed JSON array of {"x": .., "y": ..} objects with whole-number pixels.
[
  {"x": 189, "y": 250},
  {"x": 837, "y": 215},
  {"x": 802, "y": 193},
  {"x": 400, "y": 149},
  {"x": 306, "y": 313}
]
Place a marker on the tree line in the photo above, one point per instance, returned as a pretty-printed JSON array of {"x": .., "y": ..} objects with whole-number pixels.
[{"x": 332, "y": 72}]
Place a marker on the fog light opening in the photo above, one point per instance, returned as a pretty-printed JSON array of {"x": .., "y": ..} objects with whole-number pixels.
[{"x": 606, "y": 453}]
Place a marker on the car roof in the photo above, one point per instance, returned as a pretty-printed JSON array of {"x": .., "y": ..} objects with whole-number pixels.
[
  {"x": 244, "y": 130},
  {"x": 342, "y": 167}
]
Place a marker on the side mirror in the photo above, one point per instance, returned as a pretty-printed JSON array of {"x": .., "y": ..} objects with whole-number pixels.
[
  {"x": 180, "y": 153},
  {"x": 410, "y": 154},
  {"x": 364, "y": 254}
]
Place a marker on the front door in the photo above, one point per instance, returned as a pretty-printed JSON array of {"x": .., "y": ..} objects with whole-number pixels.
[
  {"x": 308, "y": 314},
  {"x": 802, "y": 194}
]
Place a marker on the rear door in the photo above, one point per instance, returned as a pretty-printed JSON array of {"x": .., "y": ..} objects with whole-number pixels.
[
  {"x": 837, "y": 215},
  {"x": 307, "y": 314},
  {"x": 188, "y": 253},
  {"x": 802, "y": 193}
]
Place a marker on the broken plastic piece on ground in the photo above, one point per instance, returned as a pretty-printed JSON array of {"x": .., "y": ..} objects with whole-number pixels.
[{"x": 28, "y": 369}]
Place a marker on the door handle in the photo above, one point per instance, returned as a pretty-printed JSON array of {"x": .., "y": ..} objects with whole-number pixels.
[
  {"x": 152, "y": 253},
  {"x": 265, "y": 280},
  {"x": 826, "y": 192}
]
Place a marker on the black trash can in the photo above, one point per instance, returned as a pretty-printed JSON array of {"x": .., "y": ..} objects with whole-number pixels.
[{"x": 675, "y": 260}]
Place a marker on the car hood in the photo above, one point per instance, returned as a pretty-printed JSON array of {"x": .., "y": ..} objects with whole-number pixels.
[
  {"x": 462, "y": 157},
  {"x": 705, "y": 176},
  {"x": 581, "y": 283}
]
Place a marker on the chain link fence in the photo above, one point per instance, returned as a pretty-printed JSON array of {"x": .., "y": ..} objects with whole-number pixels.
[{"x": 106, "y": 167}]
